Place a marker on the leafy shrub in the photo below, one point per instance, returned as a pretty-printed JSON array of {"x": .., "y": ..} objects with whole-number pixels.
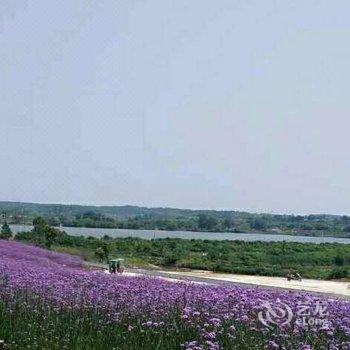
[{"x": 339, "y": 272}]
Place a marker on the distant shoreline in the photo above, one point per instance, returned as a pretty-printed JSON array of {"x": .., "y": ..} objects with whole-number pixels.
[{"x": 178, "y": 220}]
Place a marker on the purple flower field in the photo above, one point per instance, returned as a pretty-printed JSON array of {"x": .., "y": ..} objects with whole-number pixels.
[{"x": 150, "y": 313}]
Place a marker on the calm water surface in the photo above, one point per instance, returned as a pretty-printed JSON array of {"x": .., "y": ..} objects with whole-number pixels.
[{"x": 149, "y": 234}]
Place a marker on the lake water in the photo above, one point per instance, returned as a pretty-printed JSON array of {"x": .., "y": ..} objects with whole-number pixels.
[{"x": 149, "y": 234}]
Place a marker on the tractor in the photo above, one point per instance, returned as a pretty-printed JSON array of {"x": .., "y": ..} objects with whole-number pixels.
[{"x": 116, "y": 266}]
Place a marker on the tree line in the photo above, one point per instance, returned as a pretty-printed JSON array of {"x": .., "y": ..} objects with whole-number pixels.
[{"x": 170, "y": 219}]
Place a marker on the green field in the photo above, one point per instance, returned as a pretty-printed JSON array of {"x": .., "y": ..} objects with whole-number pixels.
[{"x": 323, "y": 261}]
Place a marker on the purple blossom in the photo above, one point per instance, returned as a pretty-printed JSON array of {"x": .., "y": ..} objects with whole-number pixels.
[{"x": 144, "y": 302}]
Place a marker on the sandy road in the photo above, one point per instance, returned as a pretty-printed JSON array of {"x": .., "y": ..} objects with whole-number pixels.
[{"x": 341, "y": 289}]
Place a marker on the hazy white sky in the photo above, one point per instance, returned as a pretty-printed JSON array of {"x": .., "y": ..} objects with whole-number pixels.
[{"x": 201, "y": 104}]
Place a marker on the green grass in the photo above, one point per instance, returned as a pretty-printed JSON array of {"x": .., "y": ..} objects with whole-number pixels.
[{"x": 255, "y": 258}]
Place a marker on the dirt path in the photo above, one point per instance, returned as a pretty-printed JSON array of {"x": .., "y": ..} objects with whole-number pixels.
[{"x": 318, "y": 286}]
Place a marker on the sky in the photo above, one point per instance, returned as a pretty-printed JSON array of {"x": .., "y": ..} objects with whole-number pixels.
[{"x": 226, "y": 104}]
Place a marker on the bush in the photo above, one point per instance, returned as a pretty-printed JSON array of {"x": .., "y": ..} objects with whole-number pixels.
[
  {"x": 338, "y": 273},
  {"x": 339, "y": 260},
  {"x": 5, "y": 232}
]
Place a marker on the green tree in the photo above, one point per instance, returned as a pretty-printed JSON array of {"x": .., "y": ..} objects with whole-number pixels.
[
  {"x": 50, "y": 234},
  {"x": 38, "y": 223},
  {"x": 45, "y": 234},
  {"x": 102, "y": 251},
  {"x": 99, "y": 253},
  {"x": 6, "y": 232},
  {"x": 229, "y": 222},
  {"x": 106, "y": 250},
  {"x": 206, "y": 222},
  {"x": 259, "y": 224},
  {"x": 347, "y": 229}
]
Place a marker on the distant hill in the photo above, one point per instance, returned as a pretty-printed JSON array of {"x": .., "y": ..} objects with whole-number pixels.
[{"x": 135, "y": 217}]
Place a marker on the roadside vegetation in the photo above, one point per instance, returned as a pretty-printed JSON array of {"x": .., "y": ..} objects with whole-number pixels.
[{"x": 323, "y": 261}]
